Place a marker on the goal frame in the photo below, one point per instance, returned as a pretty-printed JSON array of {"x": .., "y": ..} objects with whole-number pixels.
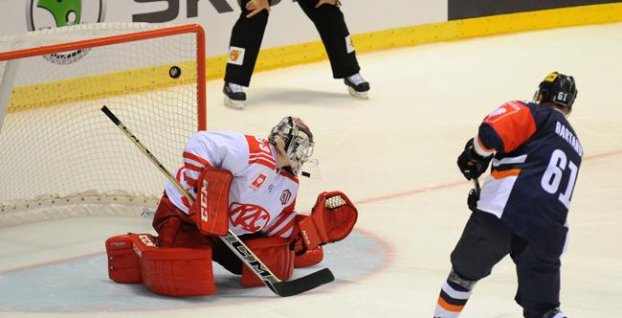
[
  {"x": 53, "y": 206},
  {"x": 131, "y": 37}
]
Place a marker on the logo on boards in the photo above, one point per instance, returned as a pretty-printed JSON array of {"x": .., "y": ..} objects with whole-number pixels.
[{"x": 48, "y": 14}]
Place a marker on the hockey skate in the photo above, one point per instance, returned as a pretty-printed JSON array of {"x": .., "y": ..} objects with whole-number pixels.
[
  {"x": 234, "y": 95},
  {"x": 554, "y": 313},
  {"x": 357, "y": 86}
]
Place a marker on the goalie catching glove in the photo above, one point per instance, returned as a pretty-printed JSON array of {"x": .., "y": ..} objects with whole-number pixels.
[{"x": 332, "y": 218}]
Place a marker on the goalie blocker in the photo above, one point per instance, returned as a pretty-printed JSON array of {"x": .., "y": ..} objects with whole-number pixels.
[{"x": 178, "y": 263}]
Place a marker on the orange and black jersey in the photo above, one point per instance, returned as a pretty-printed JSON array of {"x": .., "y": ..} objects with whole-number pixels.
[{"x": 536, "y": 161}]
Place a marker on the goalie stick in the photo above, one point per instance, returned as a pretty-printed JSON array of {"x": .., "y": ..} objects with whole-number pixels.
[{"x": 237, "y": 246}]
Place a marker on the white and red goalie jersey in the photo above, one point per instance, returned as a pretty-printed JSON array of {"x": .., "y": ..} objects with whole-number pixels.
[{"x": 261, "y": 198}]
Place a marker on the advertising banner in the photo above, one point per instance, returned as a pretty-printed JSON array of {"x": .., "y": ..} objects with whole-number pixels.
[
  {"x": 287, "y": 23},
  {"x": 460, "y": 9}
]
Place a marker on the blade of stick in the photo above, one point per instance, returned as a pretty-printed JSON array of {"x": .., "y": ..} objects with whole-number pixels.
[{"x": 305, "y": 283}]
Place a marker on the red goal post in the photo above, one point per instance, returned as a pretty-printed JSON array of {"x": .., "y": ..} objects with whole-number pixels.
[{"x": 58, "y": 153}]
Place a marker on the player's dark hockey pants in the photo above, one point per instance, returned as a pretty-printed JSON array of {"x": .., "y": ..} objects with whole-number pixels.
[
  {"x": 329, "y": 21},
  {"x": 486, "y": 240}
]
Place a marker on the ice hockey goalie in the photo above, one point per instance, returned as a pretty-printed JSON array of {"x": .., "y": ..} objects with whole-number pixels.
[{"x": 243, "y": 184}]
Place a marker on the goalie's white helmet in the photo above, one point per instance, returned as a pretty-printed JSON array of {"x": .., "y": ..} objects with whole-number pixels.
[{"x": 297, "y": 138}]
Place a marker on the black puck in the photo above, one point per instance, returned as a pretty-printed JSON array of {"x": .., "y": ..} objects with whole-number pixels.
[{"x": 174, "y": 72}]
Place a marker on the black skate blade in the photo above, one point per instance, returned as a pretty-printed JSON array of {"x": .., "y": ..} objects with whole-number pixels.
[{"x": 303, "y": 284}]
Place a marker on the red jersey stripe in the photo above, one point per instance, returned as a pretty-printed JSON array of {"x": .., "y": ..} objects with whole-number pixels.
[
  {"x": 268, "y": 164},
  {"x": 185, "y": 202},
  {"x": 287, "y": 229},
  {"x": 178, "y": 174},
  {"x": 288, "y": 175},
  {"x": 278, "y": 222},
  {"x": 191, "y": 182},
  {"x": 261, "y": 156},
  {"x": 192, "y": 167},
  {"x": 194, "y": 157}
]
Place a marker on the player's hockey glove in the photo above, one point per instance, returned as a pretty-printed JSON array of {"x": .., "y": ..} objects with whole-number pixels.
[{"x": 470, "y": 163}]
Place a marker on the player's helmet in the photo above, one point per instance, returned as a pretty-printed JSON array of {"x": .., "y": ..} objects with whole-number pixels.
[
  {"x": 558, "y": 88},
  {"x": 297, "y": 137}
]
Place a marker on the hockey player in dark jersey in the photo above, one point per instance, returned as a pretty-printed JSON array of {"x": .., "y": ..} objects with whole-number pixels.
[
  {"x": 522, "y": 207},
  {"x": 247, "y": 35}
]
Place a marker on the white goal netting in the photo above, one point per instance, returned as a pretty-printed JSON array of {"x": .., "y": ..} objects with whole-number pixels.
[{"x": 58, "y": 149}]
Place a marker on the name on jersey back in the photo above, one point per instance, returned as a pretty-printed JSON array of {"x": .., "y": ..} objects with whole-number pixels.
[{"x": 568, "y": 136}]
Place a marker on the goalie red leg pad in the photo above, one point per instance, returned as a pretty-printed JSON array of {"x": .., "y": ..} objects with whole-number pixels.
[
  {"x": 210, "y": 210},
  {"x": 123, "y": 263},
  {"x": 275, "y": 253},
  {"x": 175, "y": 228},
  {"x": 124, "y": 252},
  {"x": 309, "y": 258},
  {"x": 178, "y": 272}
]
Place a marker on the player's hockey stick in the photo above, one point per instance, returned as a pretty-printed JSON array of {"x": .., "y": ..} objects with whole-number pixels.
[
  {"x": 279, "y": 287},
  {"x": 476, "y": 184}
]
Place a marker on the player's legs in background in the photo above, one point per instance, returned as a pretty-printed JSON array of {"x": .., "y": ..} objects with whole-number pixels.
[
  {"x": 244, "y": 45},
  {"x": 330, "y": 23},
  {"x": 484, "y": 242},
  {"x": 538, "y": 281}
]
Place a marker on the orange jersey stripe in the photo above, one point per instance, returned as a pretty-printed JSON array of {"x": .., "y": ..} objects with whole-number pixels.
[
  {"x": 505, "y": 173},
  {"x": 449, "y": 307}
]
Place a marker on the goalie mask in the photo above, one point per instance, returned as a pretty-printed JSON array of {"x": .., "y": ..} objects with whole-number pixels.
[
  {"x": 297, "y": 138},
  {"x": 558, "y": 88}
]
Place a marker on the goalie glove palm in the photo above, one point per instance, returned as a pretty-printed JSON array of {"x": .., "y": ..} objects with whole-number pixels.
[{"x": 332, "y": 219}]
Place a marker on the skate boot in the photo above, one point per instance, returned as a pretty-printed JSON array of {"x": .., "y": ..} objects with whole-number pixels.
[
  {"x": 357, "y": 86},
  {"x": 234, "y": 95},
  {"x": 554, "y": 313}
]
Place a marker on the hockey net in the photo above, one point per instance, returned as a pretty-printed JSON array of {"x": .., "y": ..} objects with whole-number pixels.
[{"x": 59, "y": 154}]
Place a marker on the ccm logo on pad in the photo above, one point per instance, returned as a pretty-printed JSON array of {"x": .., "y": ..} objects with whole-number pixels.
[{"x": 203, "y": 206}]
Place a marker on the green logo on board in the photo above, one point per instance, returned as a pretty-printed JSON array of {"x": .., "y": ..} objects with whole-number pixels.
[
  {"x": 67, "y": 12},
  {"x": 49, "y": 14}
]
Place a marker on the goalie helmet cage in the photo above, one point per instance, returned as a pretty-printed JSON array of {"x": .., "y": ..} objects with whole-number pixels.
[{"x": 59, "y": 155}]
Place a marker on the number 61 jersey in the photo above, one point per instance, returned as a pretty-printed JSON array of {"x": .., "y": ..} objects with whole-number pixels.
[{"x": 533, "y": 173}]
